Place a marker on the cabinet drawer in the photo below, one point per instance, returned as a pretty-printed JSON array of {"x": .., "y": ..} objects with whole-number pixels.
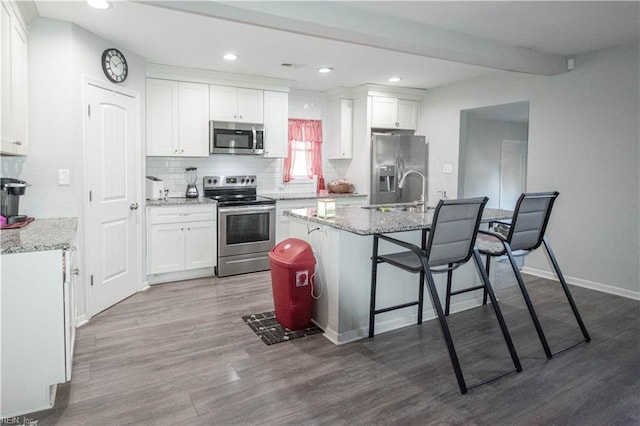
[{"x": 181, "y": 214}]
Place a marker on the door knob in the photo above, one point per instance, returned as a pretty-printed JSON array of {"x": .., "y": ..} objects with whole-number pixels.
[{"x": 133, "y": 206}]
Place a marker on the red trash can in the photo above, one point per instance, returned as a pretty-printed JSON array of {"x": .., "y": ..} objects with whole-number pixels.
[{"x": 292, "y": 269}]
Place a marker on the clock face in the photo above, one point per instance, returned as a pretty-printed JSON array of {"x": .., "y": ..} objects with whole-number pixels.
[{"x": 114, "y": 65}]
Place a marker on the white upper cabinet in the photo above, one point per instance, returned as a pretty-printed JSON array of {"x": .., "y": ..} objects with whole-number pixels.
[
  {"x": 177, "y": 118},
  {"x": 276, "y": 124},
  {"x": 13, "y": 87},
  {"x": 339, "y": 126},
  {"x": 236, "y": 104},
  {"x": 193, "y": 128},
  {"x": 393, "y": 113}
]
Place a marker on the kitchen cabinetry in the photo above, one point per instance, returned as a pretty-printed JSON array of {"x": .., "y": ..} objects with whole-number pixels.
[
  {"x": 181, "y": 239},
  {"x": 13, "y": 86},
  {"x": 236, "y": 104},
  {"x": 38, "y": 327},
  {"x": 177, "y": 118},
  {"x": 276, "y": 124},
  {"x": 339, "y": 138},
  {"x": 393, "y": 113}
]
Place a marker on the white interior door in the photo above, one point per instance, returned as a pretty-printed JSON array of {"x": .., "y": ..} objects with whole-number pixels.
[
  {"x": 513, "y": 172},
  {"x": 113, "y": 216}
]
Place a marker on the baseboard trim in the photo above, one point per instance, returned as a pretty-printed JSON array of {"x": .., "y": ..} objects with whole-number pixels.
[
  {"x": 395, "y": 323},
  {"x": 591, "y": 285}
]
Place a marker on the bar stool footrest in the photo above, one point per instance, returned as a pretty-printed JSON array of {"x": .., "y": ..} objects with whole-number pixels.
[
  {"x": 479, "y": 287},
  {"x": 393, "y": 308},
  {"x": 494, "y": 378}
]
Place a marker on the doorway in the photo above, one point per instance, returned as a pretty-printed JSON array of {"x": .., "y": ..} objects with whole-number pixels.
[
  {"x": 493, "y": 153},
  {"x": 113, "y": 214}
]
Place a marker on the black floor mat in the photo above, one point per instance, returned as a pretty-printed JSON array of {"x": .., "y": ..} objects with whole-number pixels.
[{"x": 271, "y": 332}]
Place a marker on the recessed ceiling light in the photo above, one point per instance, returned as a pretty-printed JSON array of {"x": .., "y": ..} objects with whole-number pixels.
[
  {"x": 230, "y": 56},
  {"x": 99, "y": 4},
  {"x": 325, "y": 70},
  {"x": 394, "y": 79}
]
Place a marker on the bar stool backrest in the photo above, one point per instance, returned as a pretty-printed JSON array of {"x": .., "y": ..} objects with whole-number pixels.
[
  {"x": 453, "y": 230},
  {"x": 530, "y": 220}
]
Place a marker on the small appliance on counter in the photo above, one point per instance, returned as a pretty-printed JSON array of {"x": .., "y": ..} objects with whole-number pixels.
[
  {"x": 191, "y": 176},
  {"x": 12, "y": 189},
  {"x": 155, "y": 188}
]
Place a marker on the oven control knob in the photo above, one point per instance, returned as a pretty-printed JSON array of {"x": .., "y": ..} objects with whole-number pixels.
[
  {"x": 215, "y": 181},
  {"x": 209, "y": 181},
  {"x": 252, "y": 180}
]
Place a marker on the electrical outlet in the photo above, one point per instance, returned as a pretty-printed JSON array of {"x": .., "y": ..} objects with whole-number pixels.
[
  {"x": 64, "y": 177},
  {"x": 447, "y": 168}
]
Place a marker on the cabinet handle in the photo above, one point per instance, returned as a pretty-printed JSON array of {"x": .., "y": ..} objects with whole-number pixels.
[
  {"x": 133, "y": 206},
  {"x": 75, "y": 271},
  {"x": 17, "y": 143},
  {"x": 235, "y": 116},
  {"x": 175, "y": 151},
  {"x": 397, "y": 124},
  {"x": 182, "y": 229},
  {"x": 181, "y": 151},
  {"x": 240, "y": 117}
]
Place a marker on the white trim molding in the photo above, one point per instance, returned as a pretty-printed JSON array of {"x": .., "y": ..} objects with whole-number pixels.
[{"x": 584, "y": 283}]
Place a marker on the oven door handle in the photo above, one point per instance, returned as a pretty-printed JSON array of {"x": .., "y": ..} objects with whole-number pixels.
[{"x": 246, "y": 209}]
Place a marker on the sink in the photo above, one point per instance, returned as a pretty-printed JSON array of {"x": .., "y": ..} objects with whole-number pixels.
[{"x": 395, "y": 208}]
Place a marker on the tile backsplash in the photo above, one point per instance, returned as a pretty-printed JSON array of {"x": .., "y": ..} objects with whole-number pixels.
[{"x": 268, "y": 171}]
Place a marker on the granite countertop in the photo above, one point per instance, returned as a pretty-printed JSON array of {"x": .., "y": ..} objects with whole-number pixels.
[
  {"x": 309, "y": 195},
  {"x": 40, "y": 235},
  {"x": 362, "y": 221},
  {"x": 180, "y": 202}
]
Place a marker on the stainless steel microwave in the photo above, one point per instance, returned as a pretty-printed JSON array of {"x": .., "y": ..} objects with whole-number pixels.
[{"x": 236, "y": 138}]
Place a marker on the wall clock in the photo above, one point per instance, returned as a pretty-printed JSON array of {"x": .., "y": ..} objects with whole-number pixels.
[{"x": 114, "y": 65}]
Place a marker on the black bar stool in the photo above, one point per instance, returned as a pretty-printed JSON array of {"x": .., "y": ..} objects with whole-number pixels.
[
  {"x": 450, "y": 244},
  {"x": 525, "y": 233}
]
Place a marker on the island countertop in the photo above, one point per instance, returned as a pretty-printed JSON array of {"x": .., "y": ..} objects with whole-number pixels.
[
  {"x": 40, "y": 235},
  {"x": 363, "y": 221}
]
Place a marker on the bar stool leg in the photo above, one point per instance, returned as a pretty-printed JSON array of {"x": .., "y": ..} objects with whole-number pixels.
[
  {"x": 496, "y": 309},
  {"x": 420, "y": 297},
  {"x": 448, "y": 296},
  {"x": 574, "y": 308},
  {"x": 527, "y": 299},
  {"x": 487, "y": 267},
  {"x": 435, "y": 301},
  {"x": 374, "y": 277}
]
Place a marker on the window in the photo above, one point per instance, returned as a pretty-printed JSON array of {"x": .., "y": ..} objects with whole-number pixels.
[
  {"x": 304, "y": 158},
  {"x": 299, "y": 166}
]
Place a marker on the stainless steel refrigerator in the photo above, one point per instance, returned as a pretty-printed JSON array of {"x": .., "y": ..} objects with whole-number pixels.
[{"x": 392, "y": 157}]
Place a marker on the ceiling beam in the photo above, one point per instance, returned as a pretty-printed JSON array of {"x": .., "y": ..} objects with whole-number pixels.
[{"x": 337, "y": 21}]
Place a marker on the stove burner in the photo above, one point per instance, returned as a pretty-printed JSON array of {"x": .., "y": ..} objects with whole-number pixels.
[{"x": 234, "y": 190}]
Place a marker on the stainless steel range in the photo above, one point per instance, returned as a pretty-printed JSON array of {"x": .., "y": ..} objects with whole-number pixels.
[{"x": 246, "y": 224}]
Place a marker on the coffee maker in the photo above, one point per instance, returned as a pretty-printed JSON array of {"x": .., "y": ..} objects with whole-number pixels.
[{"x": 11, "y": 190}]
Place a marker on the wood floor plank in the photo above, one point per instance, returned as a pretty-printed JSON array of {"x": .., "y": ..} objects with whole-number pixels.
[{"x": 179, "y": 353}]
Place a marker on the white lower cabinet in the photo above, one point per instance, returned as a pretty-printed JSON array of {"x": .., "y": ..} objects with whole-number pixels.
[
  {"x": 181, "y": 242},
  {"x": 38, "y": 328}
]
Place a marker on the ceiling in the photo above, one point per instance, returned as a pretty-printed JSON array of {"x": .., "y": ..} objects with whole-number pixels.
[{"x": 427, "y": 44}]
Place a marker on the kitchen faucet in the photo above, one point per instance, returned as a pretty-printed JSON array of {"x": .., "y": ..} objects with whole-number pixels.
[{"x": 424, "y": 181}]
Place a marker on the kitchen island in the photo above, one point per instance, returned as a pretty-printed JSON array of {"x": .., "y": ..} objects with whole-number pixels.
[{"x": 343, "y": 248}]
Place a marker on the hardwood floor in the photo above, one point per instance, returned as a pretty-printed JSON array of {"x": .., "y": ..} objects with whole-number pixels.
[{"x": 180, "y": 354}]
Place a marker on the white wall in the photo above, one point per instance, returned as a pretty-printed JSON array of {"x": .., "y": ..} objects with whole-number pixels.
[
  {"x": 61, "y": 57},
  {"x": 583, "y": 142}
]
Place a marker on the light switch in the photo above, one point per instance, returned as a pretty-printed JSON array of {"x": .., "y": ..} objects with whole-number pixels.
[
  {"x": 447, "y": 168},
  {"x": 64, "y": 177}
]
